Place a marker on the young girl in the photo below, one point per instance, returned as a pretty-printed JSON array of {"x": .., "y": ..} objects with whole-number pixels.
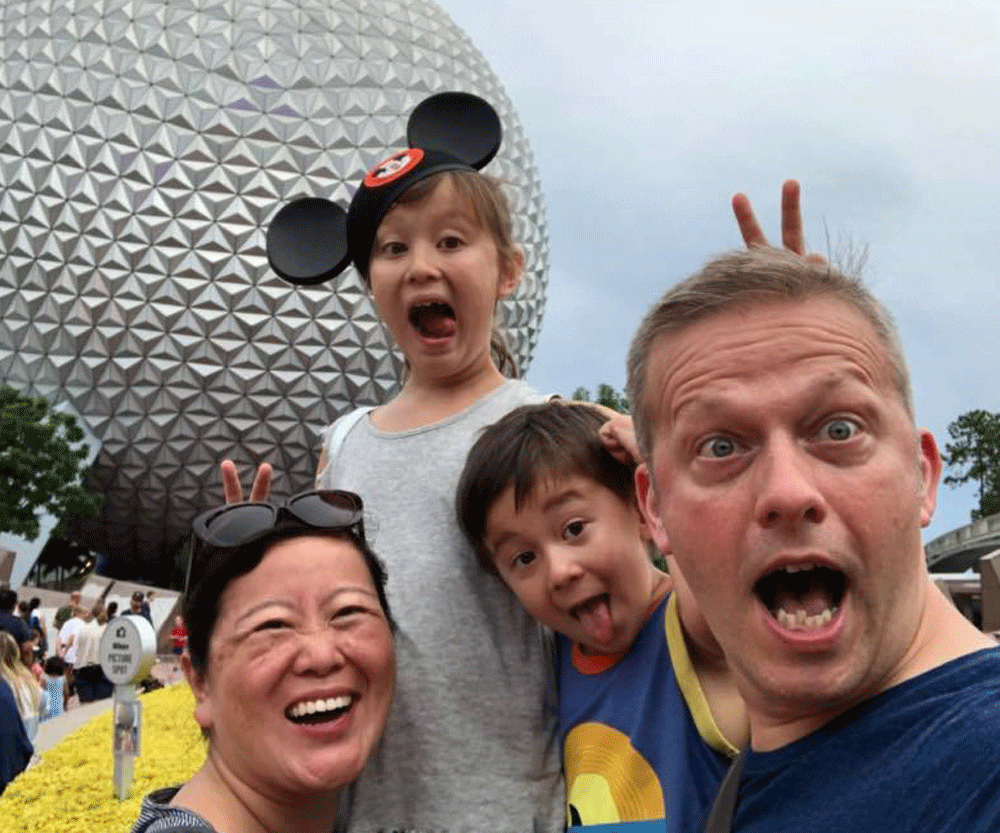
[
  {"x": 470, "y": 743},
  {"x": 27, "y": 692},
  {"x": 55, "y": 687}
]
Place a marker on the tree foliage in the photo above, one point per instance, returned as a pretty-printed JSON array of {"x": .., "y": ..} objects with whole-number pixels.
[
  {"x": 606, "y": 395},
  {"x": 975, "y": 453},
  {"x": 41, "y": 465}
]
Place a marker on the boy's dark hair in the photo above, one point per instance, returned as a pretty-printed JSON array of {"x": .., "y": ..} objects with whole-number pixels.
[
  {"x": 55, "y": 666},
  {"x": 528, "y": 446}
]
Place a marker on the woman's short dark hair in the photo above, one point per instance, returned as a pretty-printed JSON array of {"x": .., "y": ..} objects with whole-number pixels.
[{"x": 215, "y": 567}]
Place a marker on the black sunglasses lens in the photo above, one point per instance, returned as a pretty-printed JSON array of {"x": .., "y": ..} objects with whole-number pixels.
[
  {"x": 326, "y": 508},
  {"x": 235, "y": 524}
]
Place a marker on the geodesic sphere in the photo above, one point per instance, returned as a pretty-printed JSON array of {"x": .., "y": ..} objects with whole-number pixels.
[{"x": 144, "y": 147}]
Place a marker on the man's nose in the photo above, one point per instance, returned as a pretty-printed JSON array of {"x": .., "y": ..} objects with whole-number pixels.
[{"x": 788, "y": 492}]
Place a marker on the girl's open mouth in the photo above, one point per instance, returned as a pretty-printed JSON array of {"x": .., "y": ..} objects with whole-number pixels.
[{"x": 433, "y": 320}]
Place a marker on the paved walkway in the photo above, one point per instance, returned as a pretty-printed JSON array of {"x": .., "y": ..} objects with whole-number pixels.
[{"x": 50, "y": 732}]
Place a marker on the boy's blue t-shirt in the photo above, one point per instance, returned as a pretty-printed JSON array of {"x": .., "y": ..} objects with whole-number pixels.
[
  {"x": 922, "y": 756},
  {"x": 638, "y": 739}
]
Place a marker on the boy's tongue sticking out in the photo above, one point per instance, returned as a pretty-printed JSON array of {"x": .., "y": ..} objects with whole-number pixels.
[{"x": 595, "y": 617}]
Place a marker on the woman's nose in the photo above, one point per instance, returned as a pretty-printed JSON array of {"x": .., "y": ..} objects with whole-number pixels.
[{"x": 319, "y": 652}]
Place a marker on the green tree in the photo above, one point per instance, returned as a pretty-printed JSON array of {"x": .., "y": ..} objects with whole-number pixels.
[
  {"x": 975, "y": 453},
  {"x": 606, "y": 395},
  {"x": 41, "y": 465}
]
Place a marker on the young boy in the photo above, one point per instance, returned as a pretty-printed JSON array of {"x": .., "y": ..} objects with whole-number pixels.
[{"x": 649, "y": 717}]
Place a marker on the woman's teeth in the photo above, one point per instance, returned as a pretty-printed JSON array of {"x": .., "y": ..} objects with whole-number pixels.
[{"x": 330, "y": 704}]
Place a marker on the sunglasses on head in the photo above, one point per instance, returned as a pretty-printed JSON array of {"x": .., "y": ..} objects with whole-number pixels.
[
  {"x": 236, "y": 524},
  {"x": 240, "y": 523}
]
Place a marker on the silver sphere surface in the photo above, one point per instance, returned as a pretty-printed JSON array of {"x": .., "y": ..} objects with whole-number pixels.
[{"x": 144, "y": 146}]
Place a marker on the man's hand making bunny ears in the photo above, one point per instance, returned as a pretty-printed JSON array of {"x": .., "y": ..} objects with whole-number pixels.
[{"x": 792, "y": 236}]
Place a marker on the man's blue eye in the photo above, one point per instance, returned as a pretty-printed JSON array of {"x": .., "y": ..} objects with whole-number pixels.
[
  {"x": 717, "y": 447},
  {"x": 839, "y": 430}
]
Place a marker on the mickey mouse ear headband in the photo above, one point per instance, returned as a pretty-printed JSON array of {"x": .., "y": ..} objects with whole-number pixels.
[{"x": 313, "y": 240}]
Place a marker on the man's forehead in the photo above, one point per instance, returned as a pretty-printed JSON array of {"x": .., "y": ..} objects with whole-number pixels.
[{"x": 739, "y": 344}]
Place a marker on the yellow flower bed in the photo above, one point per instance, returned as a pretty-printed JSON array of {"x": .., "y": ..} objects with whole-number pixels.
[{"x": 72, "y": 788}]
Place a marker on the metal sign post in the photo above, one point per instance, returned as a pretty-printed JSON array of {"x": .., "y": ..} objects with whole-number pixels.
[{"x": 128, "y": 651}]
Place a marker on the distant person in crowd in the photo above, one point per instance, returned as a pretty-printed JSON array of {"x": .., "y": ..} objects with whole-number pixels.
[
  {"x": 112, "y": 610},
  {"x": 56, "y": 688},
  {"x": 292, "y": 664},
  {"x": 65, "y": 613},
  {"x": 91, "y": 682},
  {"x": 36, "y": 662},
  {"x": 27, "y": 691},
  {"x": 138, "y": 606},
  {"x": 13, "y": 624},
  {"x": 785, "y": 473},
  {"x": 36, "y": 620},
  {"x": 178, "y": 638},
  {"x": 67, "y": 643},
  {"x": 15, "y": 746},
  {"x": 22, "y": 611}
]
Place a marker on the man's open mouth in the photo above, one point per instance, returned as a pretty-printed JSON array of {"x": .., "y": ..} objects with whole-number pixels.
[
  {"x": 319, "y": 711},
  {"x": 433, "y": 319},
  {"x": 802, "y": 596}
]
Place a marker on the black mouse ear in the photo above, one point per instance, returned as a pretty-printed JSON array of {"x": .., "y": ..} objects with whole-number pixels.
[
  {"x": 460, "y": 124},
  {"x": 307, "y": 241}
]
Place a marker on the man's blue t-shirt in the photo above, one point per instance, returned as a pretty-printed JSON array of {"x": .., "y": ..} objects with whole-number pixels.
[{"x": 922, "y": 757}]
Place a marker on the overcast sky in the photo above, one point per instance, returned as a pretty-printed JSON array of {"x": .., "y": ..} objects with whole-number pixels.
[{"x": 645, "y": 117}]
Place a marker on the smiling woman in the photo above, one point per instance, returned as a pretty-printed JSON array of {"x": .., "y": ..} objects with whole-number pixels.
[{"x": 291, "y": 663}]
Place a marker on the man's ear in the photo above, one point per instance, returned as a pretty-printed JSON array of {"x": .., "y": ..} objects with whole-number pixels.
[
  {"x": 200, "y": 689},
  {"x": 649, "y": 507},
  {"x": 930, "y": 474}
]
